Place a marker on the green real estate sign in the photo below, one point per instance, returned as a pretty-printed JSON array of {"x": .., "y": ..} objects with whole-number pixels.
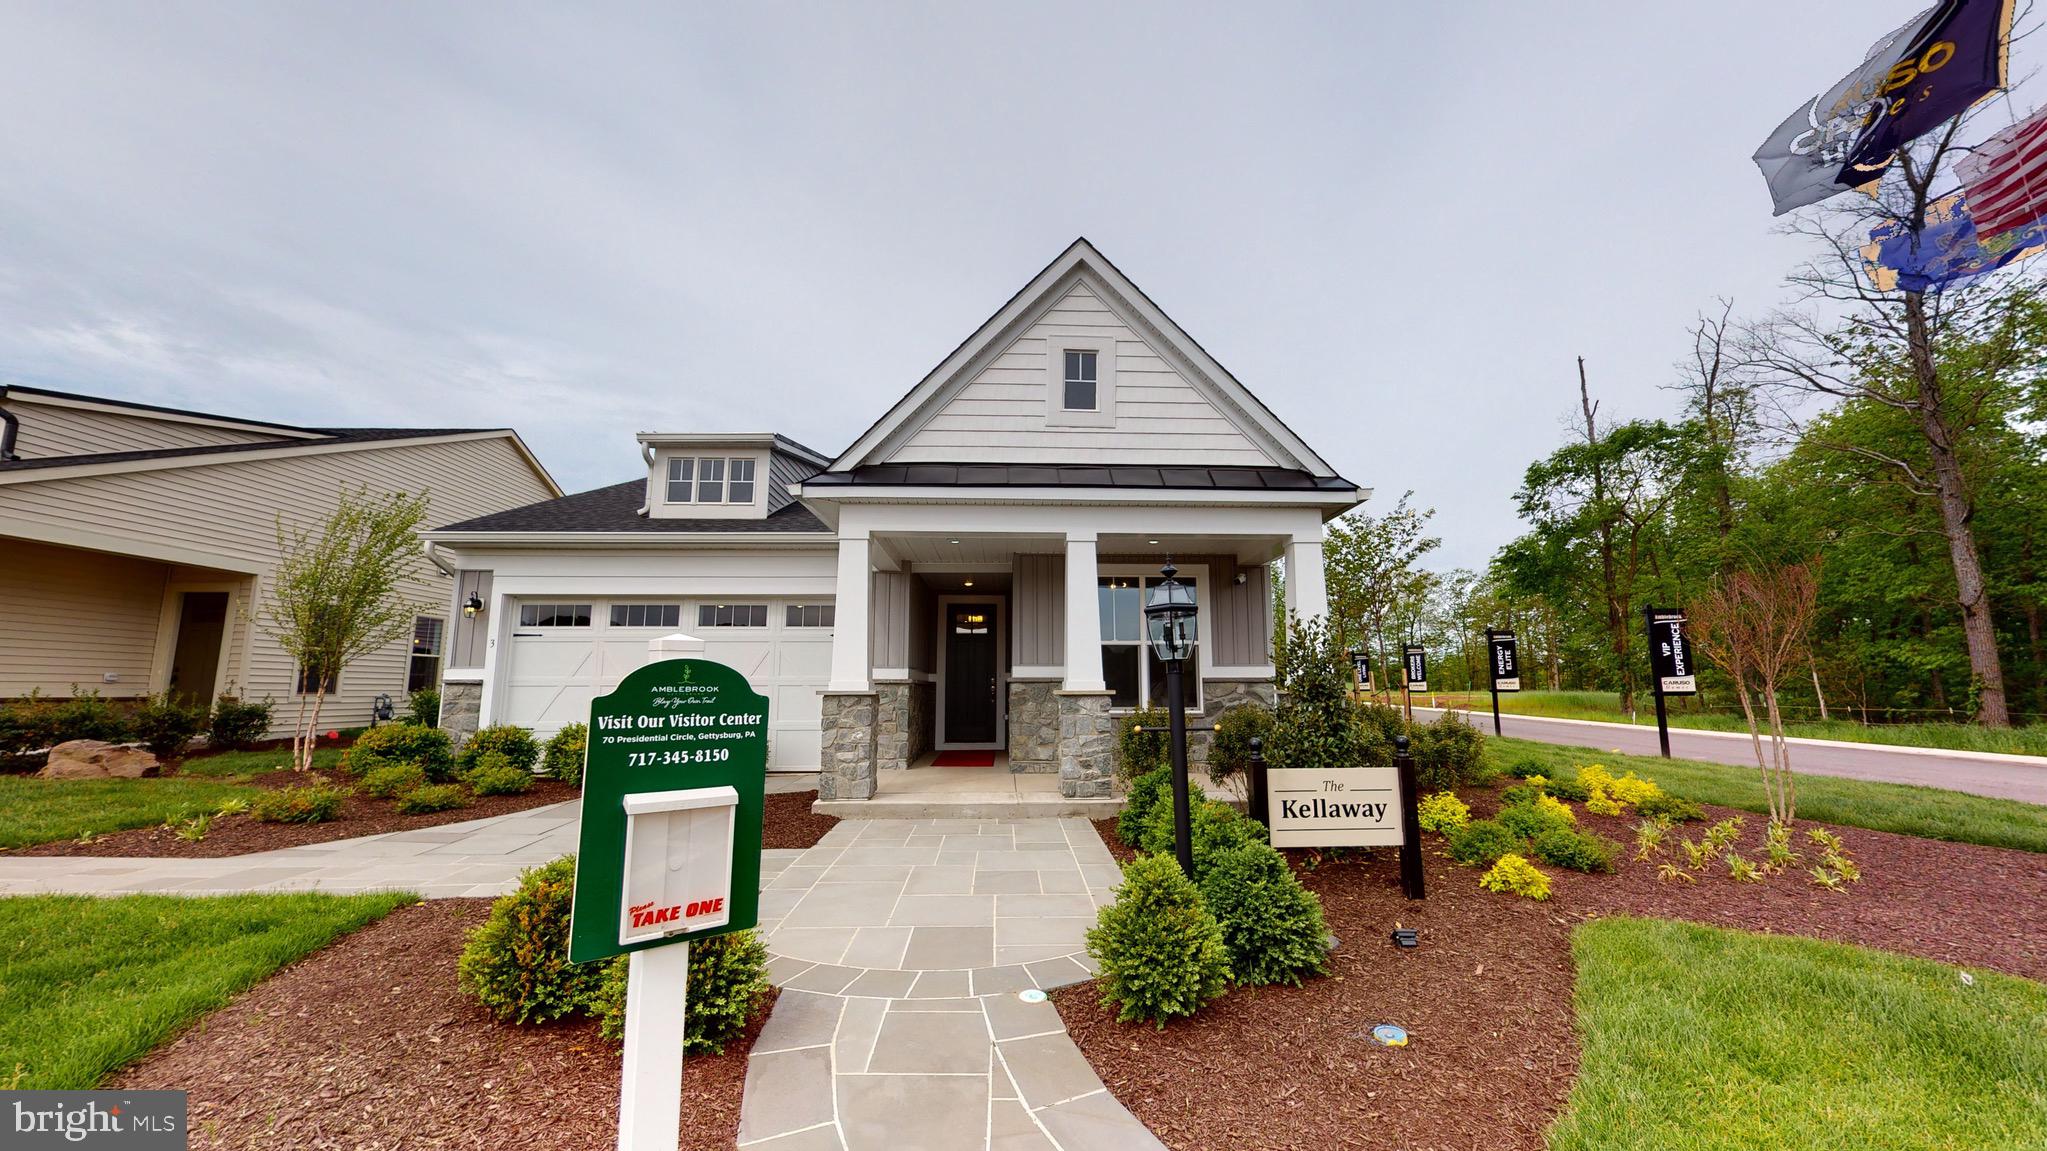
[{"x": 675, "y": 725}]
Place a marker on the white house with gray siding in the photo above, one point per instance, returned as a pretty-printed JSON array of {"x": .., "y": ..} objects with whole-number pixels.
[
  {"x": 967, "y": 575},
  {"x": 137, "y": 543}
]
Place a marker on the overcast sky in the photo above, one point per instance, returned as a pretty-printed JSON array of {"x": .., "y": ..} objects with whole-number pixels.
[{"x": 1397, "y": 226}]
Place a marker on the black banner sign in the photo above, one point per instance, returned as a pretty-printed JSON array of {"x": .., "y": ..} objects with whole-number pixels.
[
  {"x": 1416, "y": 660},
  {"x": 1670, "y": 652},
  {"x": 1506, "y": 661},
  {"x": 1361, "y": 668}
]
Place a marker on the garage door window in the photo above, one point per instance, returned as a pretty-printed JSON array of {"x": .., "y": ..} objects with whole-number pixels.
[
  {"x": 810, "y": 615},
  {"x": 732, "y": 615},
  {"x": 646, "y": 615},
  {"x": 554, "y": 615}
]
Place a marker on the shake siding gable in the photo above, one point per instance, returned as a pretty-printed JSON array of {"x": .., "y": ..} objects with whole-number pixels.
[
  {"x": 1000, "y": 416},
  {"x": 60, "y": 430},
  {"x": 231, "y": 509}
]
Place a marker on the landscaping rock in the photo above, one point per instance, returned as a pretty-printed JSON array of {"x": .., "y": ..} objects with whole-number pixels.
[{"x": 93, "y": 759}]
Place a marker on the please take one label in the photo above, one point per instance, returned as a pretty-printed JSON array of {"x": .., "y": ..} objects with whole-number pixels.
[{"x": 1339, "y": 807}]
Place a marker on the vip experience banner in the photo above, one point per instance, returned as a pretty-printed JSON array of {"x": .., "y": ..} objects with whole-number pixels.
[{"x": 1670, "y": 652}]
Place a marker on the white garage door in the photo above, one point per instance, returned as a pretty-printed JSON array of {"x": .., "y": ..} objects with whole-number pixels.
[{"x": 566, "y": 652}]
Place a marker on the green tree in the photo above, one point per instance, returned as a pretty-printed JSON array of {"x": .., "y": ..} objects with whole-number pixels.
[{"x": 1372, "y": 566}]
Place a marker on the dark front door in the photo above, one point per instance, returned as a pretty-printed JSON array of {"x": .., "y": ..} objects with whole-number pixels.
[
  {"x": 202, "y": 616},
  {"x": 971, "y": 673}
]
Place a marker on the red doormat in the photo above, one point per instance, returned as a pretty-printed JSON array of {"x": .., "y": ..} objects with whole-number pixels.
[{"x": 964, "y": 759}]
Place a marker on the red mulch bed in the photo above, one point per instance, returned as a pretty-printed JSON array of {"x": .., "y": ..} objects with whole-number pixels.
[
  {"x": 789, "y": 822},
  {"x": 1486, "y": 999},
  {"x": 368, "y": 1044},
  {"x": 242, "y": 834}
]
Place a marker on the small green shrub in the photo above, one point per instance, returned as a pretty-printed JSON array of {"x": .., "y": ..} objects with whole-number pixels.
[
  {"x": 1448, "y": 753},
  {"x": 1670, "y": 809},
  {"x": 25, "y": 724},
  {"x": 495, "y": 775},
  {"x": 1442, "y": 812},
  {"x": 304, "y": 804},
  {"x": 516, "y": 744},
  {"x": 1316, "y": 725},
  {"x": 1145, "y": 794},
  {"x": 165, "y": 725},
  {"x": 1568, "y": 787},
  {"x": 1522, "y": 794},
  {"x": 565, "y": 752},
  {"x": 423, "y": 708},
  {"x": 1576, "y": 850},
  {"x": 516, "y": 963},
  {"x": 1377, "y": 726},
  {"x": 238, "y": 723},
  {"x": 1212, "y": 827},
  {"x": 396, "y": 743},
  {"x": 728, "y": 977},
  {"x": 1528, "y": 820},
  {"x": 1518, "y": 876},
  {"x": 1482, "y": 841},
  {"x": 1161, "y": 953},
  {"x": 1142, "y": 752},
  {"x": 1229, "y": 752},
  {"x": 1524, "y": 767},
  {"x": 431, "y": 798},
  {"x": 1272, "y": 926},
  {"x": 394, "y": 780},
  {"x": 86, "y": 716}
]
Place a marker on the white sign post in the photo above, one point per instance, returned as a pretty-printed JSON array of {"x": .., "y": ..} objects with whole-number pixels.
[{"x": 650, "y": 1089}]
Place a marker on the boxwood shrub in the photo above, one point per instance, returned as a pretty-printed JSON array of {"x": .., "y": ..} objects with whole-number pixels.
[
  {"x": 1272, "y": 926},
  {"x": 431, "y": 798},
  {"x": 1528, "y": 820},
  {"x": 565, "y": 752},
  {"x": 516, "y": 963},
  {"x": 1482, "y": 841},
  {"x": 495, "y": 775},
  {"x": 728, "y": 979},
  {"x": 1146, "y": 793},
  {"x": 237, "y": 723},
  {"x": 1576, "y": 850},
  {"x": 516, "y": 744},
  {"x": 396, "y": 743},
  {"x": 394, "y": 780},
  {"x": 1670, "y": 809},
  {"x": 1161, "y": 953}
]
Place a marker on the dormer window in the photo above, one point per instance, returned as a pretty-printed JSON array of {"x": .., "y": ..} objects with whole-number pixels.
[
  {"x": 1080, "y": 395},
  {"x": 710, "y": 480}
]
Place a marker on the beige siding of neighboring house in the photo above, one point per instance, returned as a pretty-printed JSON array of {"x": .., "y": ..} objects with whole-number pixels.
[
  {"x": 62, "y": 430},
  {"x": 74, "y": 617},
  {"x": 231, "y": 509},
  {"x": 1000, "y": 416}
]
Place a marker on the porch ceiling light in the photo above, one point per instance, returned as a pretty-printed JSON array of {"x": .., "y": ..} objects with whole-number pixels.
[
  {"x": 1169, "y": 617},
  {"x": 473, "y": 606},
  {"x": 967, "y": 583}
]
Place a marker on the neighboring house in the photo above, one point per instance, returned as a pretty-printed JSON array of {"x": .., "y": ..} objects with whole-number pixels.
[
  {"x": 136, "y": 544},
  {"x": 968, "y": 574}
]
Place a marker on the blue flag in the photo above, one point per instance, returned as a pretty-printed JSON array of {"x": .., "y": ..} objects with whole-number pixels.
[
  {"x": 1944, "y": 253},
  {"x": 1957, "y": 58}
]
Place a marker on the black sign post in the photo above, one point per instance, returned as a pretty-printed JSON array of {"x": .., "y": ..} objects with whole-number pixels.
[
  {"x": 1671, "y": 671},
  {"x": 1504, "y": 660},
  {"x": 1415, "y": 675}
]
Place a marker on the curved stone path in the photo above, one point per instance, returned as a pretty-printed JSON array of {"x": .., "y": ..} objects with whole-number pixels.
[{"x": 902, "y": 948}]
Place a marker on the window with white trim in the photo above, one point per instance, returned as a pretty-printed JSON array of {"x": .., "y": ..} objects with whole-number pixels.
[
  {"x": 1080, "y": 394},
  {"x": 646, "y": 615},
  {"x": 423, "y": 666},
  {"x": 810, "y": 615},
  {"x": 1130, "y": 670},
  {"x": 312, "y": 681},
  {"x": 711, "y": 480},
  {"x": 554, "y": 615},
  {"x": 732, "y": 615}
]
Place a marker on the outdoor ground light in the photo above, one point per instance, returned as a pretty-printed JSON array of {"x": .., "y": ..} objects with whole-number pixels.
[
  {"x": 473, "y": 606},
  {"x": 1406, "y": 937},
  {"x": 1169, "y": 618}
]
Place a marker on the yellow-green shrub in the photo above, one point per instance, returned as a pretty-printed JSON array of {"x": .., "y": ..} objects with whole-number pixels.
[
  {"x": 1518, "y": 876},
  {"x": 1442, "y": 812},
  {"x": 1552, "y": 806}
]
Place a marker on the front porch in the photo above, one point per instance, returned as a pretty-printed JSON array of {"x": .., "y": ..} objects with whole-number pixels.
[{"x": 1028, "y": 643}]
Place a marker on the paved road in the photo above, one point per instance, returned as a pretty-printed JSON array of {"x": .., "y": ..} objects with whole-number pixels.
[{"x": 2005, "y": 776}]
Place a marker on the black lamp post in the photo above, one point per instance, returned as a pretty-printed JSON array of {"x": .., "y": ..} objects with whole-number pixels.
[{"x": 1169, "y": 618}]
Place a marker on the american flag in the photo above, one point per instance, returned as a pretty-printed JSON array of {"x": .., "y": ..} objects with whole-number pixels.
[{"x": 2006, "y": 177}]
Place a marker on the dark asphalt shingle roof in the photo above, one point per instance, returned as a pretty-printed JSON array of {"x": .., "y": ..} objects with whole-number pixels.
[
  {"x": 617, "y": 509},
  {"x": 1079, "y": 476},
  {"x": 322, "y": 437}
]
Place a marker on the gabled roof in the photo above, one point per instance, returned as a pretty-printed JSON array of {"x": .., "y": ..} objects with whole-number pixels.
[
  {"x": 182, "y": 415},
  {"x": 1081, "y": 259},
  {"x": 616, "y": 509}
]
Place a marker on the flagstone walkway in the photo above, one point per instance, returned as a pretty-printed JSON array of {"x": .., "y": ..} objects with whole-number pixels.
[{"x": 902, "y": 948}]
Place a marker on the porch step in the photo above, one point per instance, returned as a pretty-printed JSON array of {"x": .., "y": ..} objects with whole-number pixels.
[{"x": 968, "y": 805}]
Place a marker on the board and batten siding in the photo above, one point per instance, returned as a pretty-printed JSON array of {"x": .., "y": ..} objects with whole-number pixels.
[
  {"x": 902, "y": 621},
  {"x": 469, "y": 639},
  {"x": 1236, "y": 619},
  {"x": 1037, "y": 610},
  {"x": 62, "y": 430},
  {"x": 783, "y": 470},
  {"x": 1000, "y": 415},
  {"x": 231, "y": 509}
]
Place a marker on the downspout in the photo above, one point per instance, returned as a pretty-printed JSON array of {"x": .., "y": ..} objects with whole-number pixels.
[
  {"x": 10, "y": 427},
  {"x": 433, "y": 552}
]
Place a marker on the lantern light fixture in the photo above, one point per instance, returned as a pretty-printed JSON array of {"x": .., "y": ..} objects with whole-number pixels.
[
  {"x": 473, "y": 606},
  {"x": 1169, "y": 616}
]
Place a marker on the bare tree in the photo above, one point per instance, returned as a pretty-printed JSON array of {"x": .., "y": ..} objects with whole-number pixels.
[
  {"x": 1754, "y": 625},
  {"x": 1935, "y": 357}
]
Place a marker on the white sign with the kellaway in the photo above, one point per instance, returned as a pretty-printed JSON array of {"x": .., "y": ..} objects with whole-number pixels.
[{"x": 1336, "y": 807}]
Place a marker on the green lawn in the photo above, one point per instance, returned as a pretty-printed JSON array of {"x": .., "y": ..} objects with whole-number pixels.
[
  {"x": 40, "y": 810},
  {"x": 89, "y": 985},
  {"x": 1703, "y": 1039},
  {"x": 240, "y": 763},
  {"x": 1605, "y": 706},
  {"x": 1923, "y": 811}
]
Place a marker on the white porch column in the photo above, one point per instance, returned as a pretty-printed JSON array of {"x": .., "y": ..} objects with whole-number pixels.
[
  {"x": 1083, "y": 616},
  {"x": 1307, "y": 596},
  {"x": 851, "y": 620}
]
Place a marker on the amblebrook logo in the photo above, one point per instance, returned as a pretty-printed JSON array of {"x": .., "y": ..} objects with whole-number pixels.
[{"x": 129, "y": 1120}]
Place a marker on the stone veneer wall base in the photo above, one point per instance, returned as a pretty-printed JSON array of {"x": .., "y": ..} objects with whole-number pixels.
[
  {"x": 461, "y": 710},
  {"x": 846, "y": 759},
  {"x": 1087, "y": 745},
  {"x": 1034, "y": 726}
]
